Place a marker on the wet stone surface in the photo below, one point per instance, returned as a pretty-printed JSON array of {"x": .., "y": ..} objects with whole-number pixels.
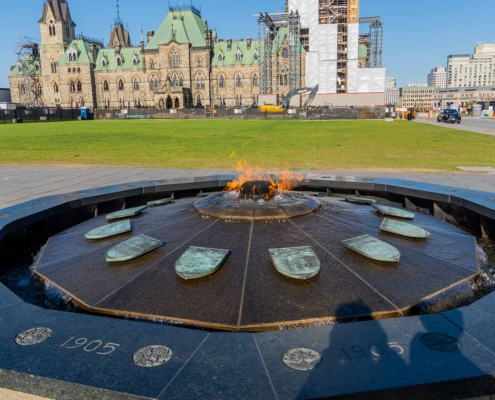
[{"x": 248, "y": 292}]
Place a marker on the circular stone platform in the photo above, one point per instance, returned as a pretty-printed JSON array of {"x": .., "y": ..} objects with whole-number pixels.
[
  {"x": 229, "y": 205},
  {"x": 247, "y": 293}
]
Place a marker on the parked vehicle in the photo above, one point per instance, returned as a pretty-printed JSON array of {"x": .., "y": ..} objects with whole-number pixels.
[{"x": 449, "y": 115}]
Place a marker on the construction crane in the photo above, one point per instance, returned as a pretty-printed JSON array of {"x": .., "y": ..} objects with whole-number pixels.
[{"x": 285, "y": 104}]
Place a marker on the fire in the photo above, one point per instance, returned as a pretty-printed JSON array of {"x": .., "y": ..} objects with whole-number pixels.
[{"x": 282, "y": 182}]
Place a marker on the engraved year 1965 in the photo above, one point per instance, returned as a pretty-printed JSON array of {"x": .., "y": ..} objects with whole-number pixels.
[
  {"x": 373, "y": 350},
  {"x": 91, "y": 346}
]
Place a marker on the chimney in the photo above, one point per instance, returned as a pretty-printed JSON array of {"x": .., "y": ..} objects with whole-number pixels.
[
  {"x": 249, "y": 43},
  {"x": 150, "y": 35},
  {"x": 229, "y": 44}
]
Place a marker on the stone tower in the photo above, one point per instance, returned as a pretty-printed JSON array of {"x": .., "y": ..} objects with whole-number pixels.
[{"x": 57, "y": 32}]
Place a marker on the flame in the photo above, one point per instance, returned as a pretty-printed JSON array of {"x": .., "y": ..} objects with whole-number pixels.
[{"x": 281, "y": 182}]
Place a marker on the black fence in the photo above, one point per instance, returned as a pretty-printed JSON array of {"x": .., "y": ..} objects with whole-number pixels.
[
  {"x": 320, "y": 113},
  {"x": 39, "y": 115}
]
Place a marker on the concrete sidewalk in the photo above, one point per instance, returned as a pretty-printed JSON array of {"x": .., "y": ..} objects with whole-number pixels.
[
  {"x": 20, "y": 184},
  {"x": 485, "y": 126}
]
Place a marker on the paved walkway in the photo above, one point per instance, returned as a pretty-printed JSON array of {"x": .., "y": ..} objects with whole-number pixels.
[
  {"x": 20, "y": 184},
  {"x": 479, "y": 125}
]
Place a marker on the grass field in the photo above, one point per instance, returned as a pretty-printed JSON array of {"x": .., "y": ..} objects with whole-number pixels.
[{"x": 321, "y": 145}]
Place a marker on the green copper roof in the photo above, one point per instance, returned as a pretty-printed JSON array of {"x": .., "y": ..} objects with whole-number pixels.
[
  {"x": 181, "y": 26},
  {"x": 127, "y": 54},
  {"x": 363, "y": 51},
  {"x": 81, "y": 47},
  {"x": 282, "y": 40},
  {"x": 229, "y": 56},
  {"x": 31, "y": 64}
]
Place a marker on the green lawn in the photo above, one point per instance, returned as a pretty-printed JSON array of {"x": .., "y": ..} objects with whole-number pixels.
[{"x": 321, "y": 145}]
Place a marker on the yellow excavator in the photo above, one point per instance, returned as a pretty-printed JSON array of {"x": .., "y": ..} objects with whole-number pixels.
[{"x": 272, "y": 108}]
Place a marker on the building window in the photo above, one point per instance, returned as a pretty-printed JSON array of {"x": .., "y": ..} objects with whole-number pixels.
[
  {"x": 136, "y": 84},
  {"x": 174, "y": 59},
  {"x": 39, "y": 89},
  {"x": 72, "y": 87},
  {"x": 121, "y": 84},
  {"x": 175, "y": 80},
  {"x": 238, "y": 80},
  {"x": 221, "y": 81},
  {"x": 256, "y": 80},
  {"x": 238, "y": 56},
  {"x": 36, "y": 67},
  {"x": 51, "y": 29},
  {"x": 69, "y": 70},
  {"x": 200, "y": 81},
  {"x": 119, "y": 62},
  {"x": 79, "y": 86},
  {"x": 104, "y": 63},
  {"x": 199, "y": 100},
  {"x": 153, "y": 82},
  {"x": 78, "y": 70},
  {"x": 135, "y": 61},
  {"x": 220, "y": 58},
  {"x": 22, "y": 90},
  {"x": 181, "y": 81},
  {"x": 255, "y": 56},
  {"x": 200, "y": 63},
  {"x": 285, "y": 52},
  {"x": 72, "y": 56},
  {"x": 152, "y": 65},
  {"x": 54, "y": 67},
  {"x": 105, "y": 85},
  {"x": 55, "y": 87}
]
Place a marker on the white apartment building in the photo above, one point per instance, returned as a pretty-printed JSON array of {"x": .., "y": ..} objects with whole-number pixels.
[
  {"x": 418, "y": 96},
  {"x": 392, "y": 94},
  {"x": 465, "y": 70},
  {"x": 390, "y": 83},
  {"x": 438, "y": 77}
]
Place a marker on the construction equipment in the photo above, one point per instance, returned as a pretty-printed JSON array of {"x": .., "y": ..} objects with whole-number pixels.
[{"x": 285, "y": 104}]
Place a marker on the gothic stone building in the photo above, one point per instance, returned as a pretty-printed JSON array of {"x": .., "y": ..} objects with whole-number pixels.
[{"x": 182, "y": 64}]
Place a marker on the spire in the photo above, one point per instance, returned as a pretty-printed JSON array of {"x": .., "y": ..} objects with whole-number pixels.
[{"x": 118, "y": 20}]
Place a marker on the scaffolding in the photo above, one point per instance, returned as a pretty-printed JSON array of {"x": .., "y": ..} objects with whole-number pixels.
[
  {"x": 294, "y": 22},
  {"x": 376, "y": 44},
  {"x": 29, "y": 67},
  {"x": 266, "y": 34}
]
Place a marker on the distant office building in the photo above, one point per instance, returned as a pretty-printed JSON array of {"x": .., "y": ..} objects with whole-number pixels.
[
  {"x": 438, "y": 77},
  {"x": 392, "y": 95},
  {"x": 417, "y": 96},
  {"x": 390, "y": 83},
  {"x": 417, "y": 85},
  {"x": 465, "y": 70},
  {"x": 4, "y": 95},
  {"x": 464, "y": 97}
]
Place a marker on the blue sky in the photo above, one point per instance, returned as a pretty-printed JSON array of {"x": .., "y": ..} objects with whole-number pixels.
[{"x": 418, "y": 35}]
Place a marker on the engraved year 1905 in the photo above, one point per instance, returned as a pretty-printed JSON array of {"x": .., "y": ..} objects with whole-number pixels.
[{"x": 91, "y": 346}]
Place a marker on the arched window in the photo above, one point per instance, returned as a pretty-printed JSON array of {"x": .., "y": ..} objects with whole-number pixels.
[
  {"x": 174, "y": 59},
  {"x": 79, "y": 86},
  {"x": 256, "y": 80},
  {"x": 121, "y": 84},
  {"x": 255, "y": 56},
  {"x": 135, "y": 61},
  {"x": 54, "y": 66},
  {"x": 199, "y": 62},
  {"x": 78, "y": 70},
  {"x": 39, "y": 89},
  {"x": 199, "y": 100},
  {"x": 22, "y": 90},
  {"x": 105, "y": 85},
  {"x": 37, "y": 67},
  {"x": 136, "y": 84},
  {"x": 73, "y": 70},
  {"x": 69, "y": 70},
  {"x": 119, "y": 62},
  {"x": 220, "y": 58},
  {"x": 221, "y": 81},
  {"x": 175, "y": 80},
  {"x": 52, "y": 29},
  {"x": 285, "y": 80},
  {"x": 70, "y": 57},
  {"x": 104, "y": 63},
  {"x": 181, "y": 81},
  {"x": 152, "y": 65},
  {"x": 200, "y": 81},
  {"x": 55, "y": 87},
  {"x": 72, "y": 87},
  {"x": 285, "y": 52},
  {"x": 238, "y": 56},
  {"x": 238, "y": 80},
  {"x": 153, "y": 82}
]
